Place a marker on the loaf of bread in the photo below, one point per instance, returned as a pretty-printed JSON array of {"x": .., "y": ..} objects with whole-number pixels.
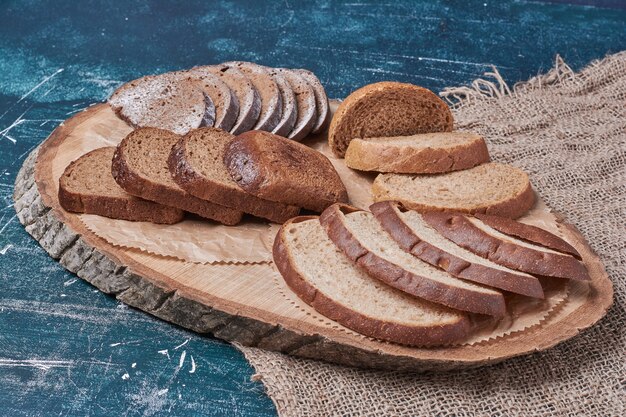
[
  {"x": 87, "y": 186},
  {"x": 490, "y": 188},
  {"x": 428, "y": 153},
  {"x": 359, "y": 235},
  {"x": 323, "y": 277},
  {"x": 279, "y": 169},
  {"x": 387, "y": 109}
]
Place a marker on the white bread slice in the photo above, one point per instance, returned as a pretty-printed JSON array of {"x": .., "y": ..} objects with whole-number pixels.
[
  {"x": 323, "y": 277},
  {"x": 363, "y": 239},
  {"x": 428, "y": 153},
  {"x": 417, "y": 237},
  {"x": 491, "y": 188},
  {"x": 474, "y": 235}
]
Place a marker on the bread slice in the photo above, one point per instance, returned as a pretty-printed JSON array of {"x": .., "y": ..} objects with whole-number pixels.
[
  {"x": 196, "y": 164},
  {"x": 278, "y": 169},
  {"x": 140, "y": 167},
  {"x": 427, "y": 153},
  {"x": 387, "y": 109},
  {"x": 87, "y": 186},
  {"x": 271, "y": 99},
  {"x": 290, "y": 106},
  {"x": 247, "y": 96},
  {"x": 491, "y": 188},
  {"x": 321, "y": 101},
  {"x": 365, "y": 242},
  {"x": 475, "y": 236},
  {"x": 528, "y": 233},
  {"x": 323, "y": 277},
  {"x": 163, "y": 101},
  {"x": 305, "y": 98},
  {"x": 417, "y": 237}
]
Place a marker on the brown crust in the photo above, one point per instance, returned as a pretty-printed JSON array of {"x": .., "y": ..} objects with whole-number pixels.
[
  {"x": 136, "y": 185},
  {"x": 387, "y": 214},
  {"x": 461, "y": 231},
  {"x": 131, "y": 208},
  {"x": 265, "y": 165},
  {"x": 196, "y": 184},
  {"x": 336, "y": 140},
  {"x": 366, "y": 155},
  {"x": 368, "y": 326},
  {"x": 529, "y": 233},
  {"x": 420, "y": 286}
]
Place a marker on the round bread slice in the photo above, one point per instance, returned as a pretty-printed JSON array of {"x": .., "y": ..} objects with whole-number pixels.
[
  {"x": 290, "y": 106},
  {"x": 305, "y": 98},
  {"x": 361, "y": 237},
  {"x": 474, "y": 235},
  {"x": 428, "y": 153},
  {"x": 491, "y": 188},
  {"x": 140, "y": 168},
  {"x": 271, "y": 99},
  {"x": 417, "y": 237},
  {"x": 311, "y": 264},
  {"x": 321, "y": 100},
  {"x": 163, "y": 101},
  {"x": 387, "y": 109},
  {"x": 87, "y": 186}
]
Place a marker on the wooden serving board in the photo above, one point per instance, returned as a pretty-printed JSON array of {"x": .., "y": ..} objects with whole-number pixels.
[{"x": 245, "y": 303}]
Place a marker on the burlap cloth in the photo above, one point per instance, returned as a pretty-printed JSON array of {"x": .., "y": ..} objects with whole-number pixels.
[{"x": 568, "y": 131}]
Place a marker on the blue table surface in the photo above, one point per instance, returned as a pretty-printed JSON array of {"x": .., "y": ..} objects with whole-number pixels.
[{"x": 65, "y": 348}]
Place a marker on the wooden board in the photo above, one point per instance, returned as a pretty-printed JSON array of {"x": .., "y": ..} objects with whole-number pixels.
[{"x": 244, "y": 303}]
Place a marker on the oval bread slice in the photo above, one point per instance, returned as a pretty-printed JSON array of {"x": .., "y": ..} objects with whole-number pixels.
[
  {"x": 290, "y": 105},
  {"x": 491, "y": 188},
  {"x": 305, "y": 99},
  {"x": 475, "y": 236},
  {"x": 365, "y": 242},
  {"x": 323, "y": 277},
  {"x": 428, "y": 153},
  {"x": 387, "y": 109},
  {"x": 416, "y": 236},
  {"x": 321, "y": 100},
  {"x": 87, "y": 186}
]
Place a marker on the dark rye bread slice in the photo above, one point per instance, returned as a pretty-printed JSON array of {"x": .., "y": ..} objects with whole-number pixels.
[
  {"x": 290, "y": 106},
  {"x": 321, "y": 100},
  {"x": 475, "y": 236},
  {"x": 427, "y": 153},
  {"x": 305, "y": 99},
  {"x": 248, "y": 98},
  {"x": 490, "y": 188},
  {"x": 163, "y": 101},
  {"x": 140, "y": 168},
  {"x": 532, "y": 234},
  {"x": 311, "y": 265},
  {"x": 271, "y": 99},
  {"x": 387, "y": 109},
  {"x": 196, "y": 163},
  {"x": 87, "y": 186},
  {"x": 359, "y": 235},
  {"x": 417, "y": 237},
  {"x": 278, "y": 169}
]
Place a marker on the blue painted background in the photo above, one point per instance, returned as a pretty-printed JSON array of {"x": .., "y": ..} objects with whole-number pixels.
[{"x": 65, "y": 348}]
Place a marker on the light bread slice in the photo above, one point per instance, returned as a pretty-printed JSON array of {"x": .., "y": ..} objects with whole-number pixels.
[
  {"x": 365, "y": 242},
  {"x": 290, "y": 106},
  {"x": 305, "y": 99},
  {"x": 417, "y": 237},
  {"x": 475, "y": 236},
  {"x": 196, "y": 164},
  {"x": 87, "y": 186},
  {"x": 321, "y": 100},
  {"x": 271, "y": 99},
  {"x": 140, "y": 168},
  {"x": 387, "y": 109},
  {"x": 428, "y": 153},
  {"x": 491, "y": 188},
  {"x": 163, "y": 101},
  {"x": 323, "y": 277}
]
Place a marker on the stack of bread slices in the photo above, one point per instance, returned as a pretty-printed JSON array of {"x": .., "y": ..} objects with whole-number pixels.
[
  {"x": 234, "y": 96},
  {"x": 417, "y": 278},
  {"x": 156, "y": 175}
]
